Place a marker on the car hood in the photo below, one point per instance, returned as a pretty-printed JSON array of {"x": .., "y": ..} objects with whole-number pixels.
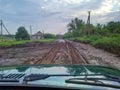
[
  {"x": 60, "y": 69},
  {"x": 74, "y": 70}
]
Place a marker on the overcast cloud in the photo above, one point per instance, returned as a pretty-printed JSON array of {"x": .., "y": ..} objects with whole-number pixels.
[{"x": 52, "y": 16}]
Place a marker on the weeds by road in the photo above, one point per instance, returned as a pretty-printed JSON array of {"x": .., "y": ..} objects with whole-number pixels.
[
  {"x": 7, "y": 43},
  {"x": 108, "y": 43}
]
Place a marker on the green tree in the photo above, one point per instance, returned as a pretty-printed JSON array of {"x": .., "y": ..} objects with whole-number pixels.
[
  {"x": 76, "y": 27},
  {"x": 113, "y": 27},
  {"x": 71, "y": 26},
  {"x": 67, "y": 35},
  {"x": 22, "y": 34}
]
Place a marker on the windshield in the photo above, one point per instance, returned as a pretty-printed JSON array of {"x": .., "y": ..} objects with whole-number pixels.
[{"x": 61, "y": 32}]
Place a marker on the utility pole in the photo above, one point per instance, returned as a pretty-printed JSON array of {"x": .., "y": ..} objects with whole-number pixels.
[
  {"x": 1, "y": 34},
  {"x": 43, "y": 34},
  {"x": 30, "y": 32},
  {"x": 88, "y": 20},
  {"x": 74, "y": 22},
  {"x": 88, "y": 23},
  {"x": 1, "y": 27}
]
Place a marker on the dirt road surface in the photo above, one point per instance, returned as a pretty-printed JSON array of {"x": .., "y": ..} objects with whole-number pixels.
[{"x": 58, "y": 52}]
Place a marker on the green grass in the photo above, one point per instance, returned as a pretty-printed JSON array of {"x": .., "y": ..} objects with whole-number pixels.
[
  {"x": 12, "y": 42},
  {"x": 8, "y": 43},
  {"x": 87, "y": 39},
  {"x": 109, "y": 43}
]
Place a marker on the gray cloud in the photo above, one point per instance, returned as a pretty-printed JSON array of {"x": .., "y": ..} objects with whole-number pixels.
[{"x": 53, "y": 15}]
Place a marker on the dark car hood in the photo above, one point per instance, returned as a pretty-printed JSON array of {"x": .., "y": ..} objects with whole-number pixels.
[
  {"x": 75, "y": 70},
  {"x": 60, "y": 69}
]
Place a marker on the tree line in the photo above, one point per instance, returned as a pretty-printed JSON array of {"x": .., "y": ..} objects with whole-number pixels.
[{"x": 77, "y": 27}]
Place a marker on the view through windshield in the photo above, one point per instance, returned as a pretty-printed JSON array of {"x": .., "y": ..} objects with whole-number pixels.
[
  {"x": 60, "y": 32},
  {"x": 70, "y": 44}
]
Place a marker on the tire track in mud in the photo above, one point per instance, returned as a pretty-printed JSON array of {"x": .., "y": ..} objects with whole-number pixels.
[
  {"x": 49, "y": 57},
  {"x": 62, "y": 53},
  {"x": 76, "y": 56}
]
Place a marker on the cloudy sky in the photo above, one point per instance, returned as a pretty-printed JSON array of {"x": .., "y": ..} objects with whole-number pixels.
[{"x": 52, "y": 16}]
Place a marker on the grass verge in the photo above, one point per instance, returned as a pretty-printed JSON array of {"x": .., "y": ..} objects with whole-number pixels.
[
  {"x": 109, "y": 43},
  {"x": 8, "y": 43}
]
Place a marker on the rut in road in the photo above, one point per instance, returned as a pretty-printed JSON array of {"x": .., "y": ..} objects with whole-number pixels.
[
  {"x": 48, "y": 58},
  {"x": 62, "y": 53},
  {"x": 75, "y": 55}
]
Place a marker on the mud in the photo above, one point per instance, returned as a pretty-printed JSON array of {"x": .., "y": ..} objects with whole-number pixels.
[{"x": 58, "y": 52}]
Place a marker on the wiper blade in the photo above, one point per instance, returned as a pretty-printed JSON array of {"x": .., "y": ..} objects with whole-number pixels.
[
  {"x": 93, "y": 81},
  {"x": 111, "y": 76},
  {"x": 96, "y": 79},
  {"x": 33, "y": 77}
]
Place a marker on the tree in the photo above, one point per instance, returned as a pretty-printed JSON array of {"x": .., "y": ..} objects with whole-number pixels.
[
  {"x": 67, "y": 35},
  {"x": 113, "y": 27},
  {"x": 76, "y": 27},
  {"x": 71, "y": 26},
  {"x": 22, "y": 34}
]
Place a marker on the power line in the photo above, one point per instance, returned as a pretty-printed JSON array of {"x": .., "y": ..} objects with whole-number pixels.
[
  {"x": 6, "y": 29},
  {"x": 3, "y": 26}
]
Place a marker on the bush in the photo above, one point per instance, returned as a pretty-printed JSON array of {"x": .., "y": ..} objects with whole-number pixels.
[{"x": 111, "y": 43}]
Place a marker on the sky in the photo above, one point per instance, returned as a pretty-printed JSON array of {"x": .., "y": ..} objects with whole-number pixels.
[{"x": 52, "y": 16}]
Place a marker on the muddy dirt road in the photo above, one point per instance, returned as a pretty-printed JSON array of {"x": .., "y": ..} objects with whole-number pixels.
[{"x": 58, "y": 52}]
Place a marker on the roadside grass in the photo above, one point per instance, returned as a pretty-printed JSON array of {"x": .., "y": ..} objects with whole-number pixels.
[
  {"x": 8, "y": 43},
  {"x": 108, "y": 43}
]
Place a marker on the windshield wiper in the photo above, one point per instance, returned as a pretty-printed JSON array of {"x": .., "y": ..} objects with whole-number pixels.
[
  {"x": 33, "y": 77},
  {"x": 94, "y": 81}
]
